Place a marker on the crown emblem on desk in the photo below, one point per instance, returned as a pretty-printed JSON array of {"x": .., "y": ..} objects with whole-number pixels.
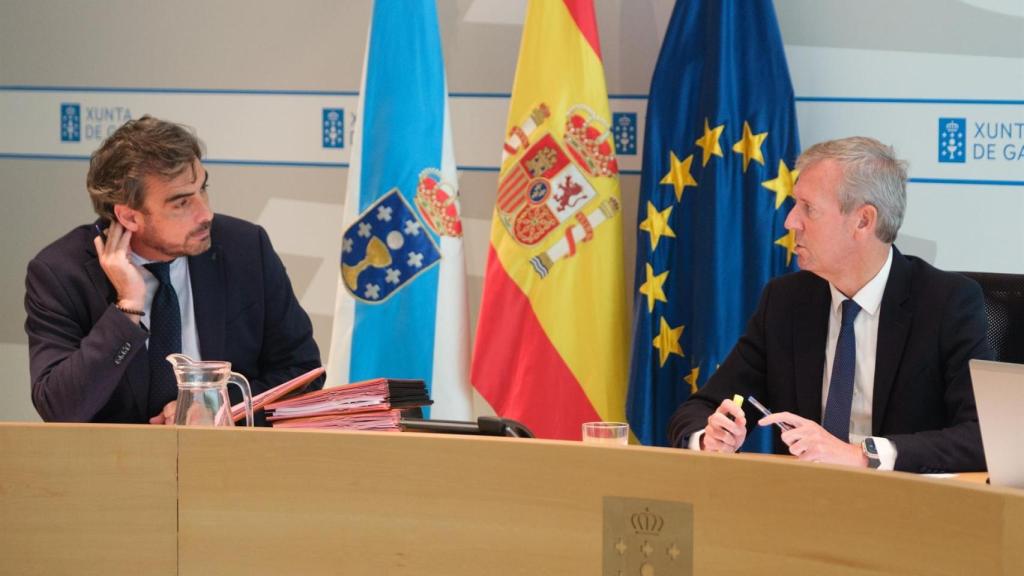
[
  {"x": 589, "y": 141},
  {"x": 437, "y": 201},
  {"x": 647, "y": 522}
]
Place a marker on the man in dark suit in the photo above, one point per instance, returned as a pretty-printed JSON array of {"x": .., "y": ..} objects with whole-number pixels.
[
  {"x": 863, "y": 354},
  {"x": 158, "y": 273}
]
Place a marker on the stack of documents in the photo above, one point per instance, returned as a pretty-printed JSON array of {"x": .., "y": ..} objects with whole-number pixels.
[{"x": 370, "y": 405}]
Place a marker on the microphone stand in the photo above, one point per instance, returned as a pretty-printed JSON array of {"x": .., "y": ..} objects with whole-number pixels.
[{"x": 484, "y": 426}]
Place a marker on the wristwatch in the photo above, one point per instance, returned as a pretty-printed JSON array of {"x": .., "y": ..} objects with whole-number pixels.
[{"x": 871, "y": 452}]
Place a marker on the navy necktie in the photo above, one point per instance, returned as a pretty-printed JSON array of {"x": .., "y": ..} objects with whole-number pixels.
[
  {"x": 164, "y": 338},
  {"x": 840, "y": 388}
]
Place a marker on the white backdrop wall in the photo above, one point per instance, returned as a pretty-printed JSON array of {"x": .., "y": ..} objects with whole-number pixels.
[{"x": 942, "y": 80}]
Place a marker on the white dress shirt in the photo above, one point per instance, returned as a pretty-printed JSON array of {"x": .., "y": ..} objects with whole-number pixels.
[
  {"x": 865, "y": 331},
  {"x": 182, "y": 283}
]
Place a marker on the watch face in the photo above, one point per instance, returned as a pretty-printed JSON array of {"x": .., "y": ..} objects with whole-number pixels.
[
  {"x": 871, "y": 452},
  {"x": 869, "y": 444}
]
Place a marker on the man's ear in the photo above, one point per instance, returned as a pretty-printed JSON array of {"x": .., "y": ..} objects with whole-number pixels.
[
  {"x": 130, "y": 218},
  {"x": 867, "y": 219}
]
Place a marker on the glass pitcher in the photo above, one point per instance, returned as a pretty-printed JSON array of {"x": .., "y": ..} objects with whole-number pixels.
[{"x": 203, "y": 392}]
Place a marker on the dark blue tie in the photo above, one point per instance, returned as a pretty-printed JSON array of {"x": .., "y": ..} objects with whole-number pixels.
[
  {"x": 164, "y": 338},
  {"x": 840, "y": 387}
]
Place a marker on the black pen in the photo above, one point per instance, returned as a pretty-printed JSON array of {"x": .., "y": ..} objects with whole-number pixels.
[{"x": 761, "y": 408}]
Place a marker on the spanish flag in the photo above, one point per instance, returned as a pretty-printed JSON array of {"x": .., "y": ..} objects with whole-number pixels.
[{"x": 551, "y": 338}]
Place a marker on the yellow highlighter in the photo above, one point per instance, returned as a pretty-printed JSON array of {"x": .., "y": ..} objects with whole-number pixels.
[{"x": 737, "y": 399}]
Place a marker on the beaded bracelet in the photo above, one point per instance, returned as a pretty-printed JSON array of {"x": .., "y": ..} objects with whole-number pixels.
[{"x": 138, "y": 313}]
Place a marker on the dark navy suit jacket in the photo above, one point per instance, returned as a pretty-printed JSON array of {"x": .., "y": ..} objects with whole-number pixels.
[
  {"x": 932, "y": 322},
  {"x": 89, "y": 361}
]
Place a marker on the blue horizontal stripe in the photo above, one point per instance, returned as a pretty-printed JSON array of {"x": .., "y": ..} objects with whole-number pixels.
[
  {"x": 479, "y": 95},
  {"x": 627, "y": 96},
  {"x": 496, "y": 95},
  {"x": 143, "y": 90},
  {"x": 851, "y": 100},
  {"x": 957, "y": 181},
  {"x": 221, "y": 161},
  {"x": 140, "y": 90},
  {"x": 13, "y": 156},
  {"x": 275, "y": 163},
  {"x": 495, "y": 169}
]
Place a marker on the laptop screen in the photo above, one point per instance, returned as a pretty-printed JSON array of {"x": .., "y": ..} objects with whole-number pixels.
[{"x": 999, "y": 394}]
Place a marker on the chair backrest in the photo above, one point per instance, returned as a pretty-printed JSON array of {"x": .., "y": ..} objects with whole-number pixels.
[{"x": 1004, "y": 306}]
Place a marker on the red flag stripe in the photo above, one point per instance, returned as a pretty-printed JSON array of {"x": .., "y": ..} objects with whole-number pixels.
[
  {"x": 512, "y": 183},
  {"x": 513, "y": 204},
  {"x": 510, "y": 195},
  {"x": 512, "y": 198},
  {"x": 519, "y": 351},
  {"x": 582, "y": 12}
]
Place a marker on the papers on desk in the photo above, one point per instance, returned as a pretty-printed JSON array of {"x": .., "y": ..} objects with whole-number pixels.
[
  {"x": 370, "y": 405},
  {"x": 276, "y": 393},
  {"x": 376, "y": 421}
]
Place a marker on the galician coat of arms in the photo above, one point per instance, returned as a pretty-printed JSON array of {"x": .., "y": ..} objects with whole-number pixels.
[
  {"x": 548, "y": 188},
  {"x": 388, "y": 245}
]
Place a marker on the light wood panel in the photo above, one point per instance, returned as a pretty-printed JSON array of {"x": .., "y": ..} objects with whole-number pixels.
[
  {"x": 105, "y": 499},
  {"x": 265, "y": 501},
  {"x": 81, "y": 499}
]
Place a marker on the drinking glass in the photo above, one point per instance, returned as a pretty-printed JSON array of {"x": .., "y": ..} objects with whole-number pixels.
[{"x": 607, "y": 433}]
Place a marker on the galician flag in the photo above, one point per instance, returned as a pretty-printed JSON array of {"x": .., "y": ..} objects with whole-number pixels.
[
  {"x": 401, "y": 309},
  {"x": 551, "y": 338}
]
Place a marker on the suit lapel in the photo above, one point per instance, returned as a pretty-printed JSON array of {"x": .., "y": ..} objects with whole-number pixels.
[
  {"x": 206, "y": 273},
  {"x": 810, "y": 333},
  {"x": 893, "y": 329}
]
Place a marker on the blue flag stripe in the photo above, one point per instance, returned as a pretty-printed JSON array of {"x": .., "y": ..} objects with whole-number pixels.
[{"x": 402, "y": 134}]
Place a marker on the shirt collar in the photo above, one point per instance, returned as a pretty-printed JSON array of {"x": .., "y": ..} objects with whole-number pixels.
[
  {"x": 141, "y": 262},
  {"x": 869, "y": 298}
]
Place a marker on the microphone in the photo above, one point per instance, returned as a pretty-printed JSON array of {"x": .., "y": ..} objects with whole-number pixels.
[{"x": 484, "y": 426}]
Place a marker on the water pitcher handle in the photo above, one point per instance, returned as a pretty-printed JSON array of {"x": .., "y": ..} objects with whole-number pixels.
[{"x": 240, "y": 381}]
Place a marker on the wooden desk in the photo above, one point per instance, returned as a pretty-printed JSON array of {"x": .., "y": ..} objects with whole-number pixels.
[
  {"x": 87, "y": 499},
  {"x": 973, "y": 477},
  {"x": 308, "y": 502}
]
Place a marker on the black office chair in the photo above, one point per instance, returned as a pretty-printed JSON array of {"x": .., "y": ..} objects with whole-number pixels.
[{"x": 1004, "y": 306}]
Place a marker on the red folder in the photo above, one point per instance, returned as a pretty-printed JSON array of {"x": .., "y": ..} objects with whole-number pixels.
[{"x": 276, "y": 393}]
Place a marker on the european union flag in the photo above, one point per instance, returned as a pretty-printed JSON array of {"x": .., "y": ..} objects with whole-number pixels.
[{"x": 719, "y": 150}]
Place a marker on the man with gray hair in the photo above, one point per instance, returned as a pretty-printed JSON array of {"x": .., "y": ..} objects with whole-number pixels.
[{"x": 863, "y": 354}]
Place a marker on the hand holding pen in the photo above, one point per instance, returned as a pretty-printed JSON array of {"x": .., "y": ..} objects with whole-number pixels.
[
  {"x": 807, "y": 440},
  {"x": 784, "y": 426}
]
